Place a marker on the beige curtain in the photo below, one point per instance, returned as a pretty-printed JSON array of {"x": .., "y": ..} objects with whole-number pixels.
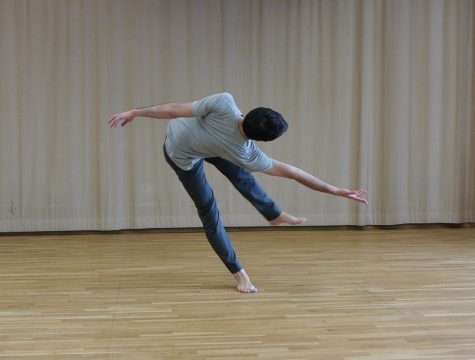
[{"x": 378, "y": 94}]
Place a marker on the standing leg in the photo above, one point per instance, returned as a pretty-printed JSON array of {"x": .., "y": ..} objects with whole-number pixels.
[
  {"x": 197, "y": 187},
  {"x": 245, "y": 183}
]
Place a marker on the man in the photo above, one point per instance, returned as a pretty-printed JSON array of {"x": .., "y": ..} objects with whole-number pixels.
[{"x": 214, "y": 130}]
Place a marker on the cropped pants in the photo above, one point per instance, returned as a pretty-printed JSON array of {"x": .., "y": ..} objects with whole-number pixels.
[{"x": 196, "y": 185}]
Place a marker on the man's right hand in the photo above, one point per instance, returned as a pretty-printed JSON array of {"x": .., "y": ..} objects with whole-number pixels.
[
  {"x": 121, "y": 119},
  {"x": 352, "y": 194}
]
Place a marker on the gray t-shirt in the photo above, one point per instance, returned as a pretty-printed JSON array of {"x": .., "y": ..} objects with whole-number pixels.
[{"x": 213, "y": 132}]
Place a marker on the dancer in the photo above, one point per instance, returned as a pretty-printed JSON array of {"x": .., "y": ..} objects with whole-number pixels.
[{"x": 214, "y": 130}]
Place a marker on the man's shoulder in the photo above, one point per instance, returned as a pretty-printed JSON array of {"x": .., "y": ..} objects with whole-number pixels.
[
  {"x": 224, "y": 98},
  {"x": 220, "y": 103}
]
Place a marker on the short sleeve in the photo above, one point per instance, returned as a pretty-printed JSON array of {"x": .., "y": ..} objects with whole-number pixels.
[
  {"x": 258, "y": 160},
  {"x": 218, "y": 103}
]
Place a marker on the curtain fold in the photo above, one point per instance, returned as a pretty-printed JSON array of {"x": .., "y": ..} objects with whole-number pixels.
[{"x": 378, "y": 94}]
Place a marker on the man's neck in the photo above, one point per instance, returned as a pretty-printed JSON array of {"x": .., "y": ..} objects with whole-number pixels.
[{"x": 241, "y": 129}]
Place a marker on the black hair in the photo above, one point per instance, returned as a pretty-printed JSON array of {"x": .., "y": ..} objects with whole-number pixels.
[{"x": 264, "y": 124}]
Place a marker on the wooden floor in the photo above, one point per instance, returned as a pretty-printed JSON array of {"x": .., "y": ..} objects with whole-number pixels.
[{"x": 353, "y": 295}]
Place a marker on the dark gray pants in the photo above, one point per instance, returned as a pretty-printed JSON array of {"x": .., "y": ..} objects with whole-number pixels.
[{"x": 197, "y": 186}]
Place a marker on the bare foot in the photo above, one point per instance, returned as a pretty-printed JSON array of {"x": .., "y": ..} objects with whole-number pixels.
[
  {"x": 243, "y": 283},
  {"x": 285, "y": 218}
]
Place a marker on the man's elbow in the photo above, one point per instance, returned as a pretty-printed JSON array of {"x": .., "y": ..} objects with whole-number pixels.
[
  {"x": 282, "y": 170},
  {"x": 173, "y": 110}
]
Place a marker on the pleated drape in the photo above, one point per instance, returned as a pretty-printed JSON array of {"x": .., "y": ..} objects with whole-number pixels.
[{"x": 378, "y": 94}]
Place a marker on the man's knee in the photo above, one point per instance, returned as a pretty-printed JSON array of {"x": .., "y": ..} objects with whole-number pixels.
[
  {"x": 209, "y": 215},
  {"x": 245, "y": 181}
]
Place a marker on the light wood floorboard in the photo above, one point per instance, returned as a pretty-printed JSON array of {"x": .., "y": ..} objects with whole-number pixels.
[{"x": 339, "y": 295}]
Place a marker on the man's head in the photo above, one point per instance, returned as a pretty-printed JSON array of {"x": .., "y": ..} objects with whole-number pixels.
[{"x": 264, "y": 124}]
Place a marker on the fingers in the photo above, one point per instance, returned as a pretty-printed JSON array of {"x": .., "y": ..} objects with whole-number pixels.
[
  {"x": 357, "y": 198},
  {"x": 354, "y": 192},
  {"x": 357, "y": 192},
  {"x": 115, "y": 120},
  {"x": 361, "y": 200},
  {"x": 356, "y": 195}
]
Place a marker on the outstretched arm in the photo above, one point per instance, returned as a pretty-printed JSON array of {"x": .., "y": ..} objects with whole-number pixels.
[
  {"x": 291, "y": 172},
  {"x": 164, "y": 111}
]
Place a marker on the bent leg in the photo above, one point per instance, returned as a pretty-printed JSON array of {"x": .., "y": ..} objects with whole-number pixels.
[
  {"x": 199, "y": 190},
  {"x": 245, "y": 183}
]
